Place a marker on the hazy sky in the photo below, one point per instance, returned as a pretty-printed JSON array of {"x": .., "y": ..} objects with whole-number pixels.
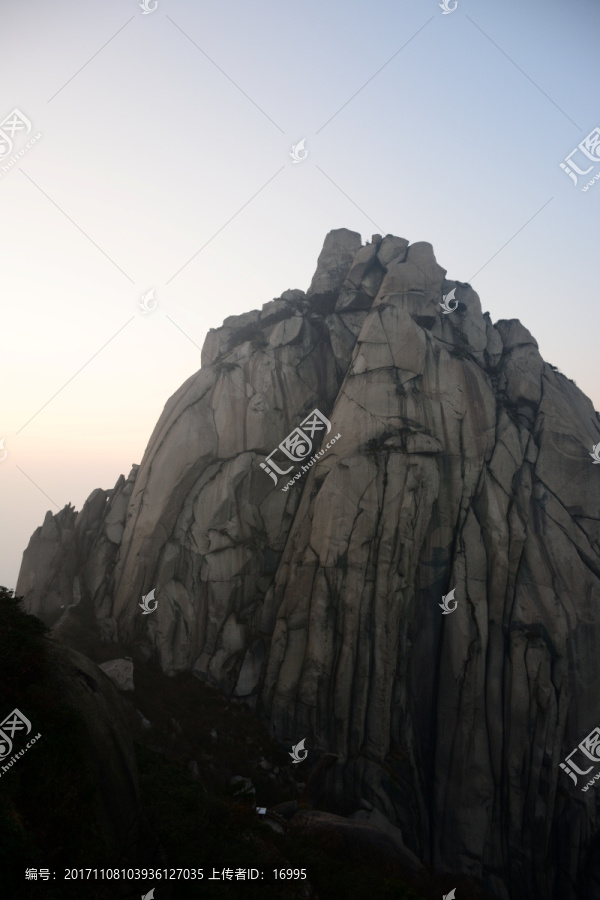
[{"x": 163, "y": 163}]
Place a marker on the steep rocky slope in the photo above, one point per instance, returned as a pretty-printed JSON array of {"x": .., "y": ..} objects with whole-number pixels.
[
  {"x": 69, "y": 788},
  {"x": 454, "y": 460}
]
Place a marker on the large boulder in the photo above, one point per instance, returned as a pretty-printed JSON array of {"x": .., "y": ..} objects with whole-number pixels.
[
  {"x": 335, "y": 261},
  {"x": 120, "y": 672}
]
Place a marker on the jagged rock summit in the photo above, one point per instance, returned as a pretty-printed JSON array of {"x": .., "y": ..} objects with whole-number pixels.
[{"x": 457, "y": 460}]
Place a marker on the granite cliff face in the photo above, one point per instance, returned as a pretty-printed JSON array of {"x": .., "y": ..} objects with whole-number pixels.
[{"x": 461, "y": 462}]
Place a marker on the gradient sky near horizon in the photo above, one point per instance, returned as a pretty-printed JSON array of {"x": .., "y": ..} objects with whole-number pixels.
[{"x": 163, "y": 163}]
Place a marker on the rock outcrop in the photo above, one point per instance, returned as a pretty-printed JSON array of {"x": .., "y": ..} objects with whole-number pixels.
[
  {"x": 71, "y": 792},
  {"x": 120, "y": 672},
  {"x": 457, "y": 460},
  {"x": 108, "y": 748}
]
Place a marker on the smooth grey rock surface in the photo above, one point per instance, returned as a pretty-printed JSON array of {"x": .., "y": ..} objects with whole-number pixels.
[
  {"x": 120, "y": 672},
  {"x": 335, "y": 261}
]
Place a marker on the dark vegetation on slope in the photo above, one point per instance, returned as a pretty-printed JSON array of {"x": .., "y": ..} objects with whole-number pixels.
[{"x": 47, "y": 799}]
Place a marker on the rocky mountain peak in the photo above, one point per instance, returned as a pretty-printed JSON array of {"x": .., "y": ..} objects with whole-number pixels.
[
  {"x": 344, "y": 460},
  {"x": 335, "y": 259}
]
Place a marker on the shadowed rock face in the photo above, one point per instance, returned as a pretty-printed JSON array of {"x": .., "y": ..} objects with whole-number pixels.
[
  {"x": 463, "y": 464},
  {"x": 104, "y": 777}
]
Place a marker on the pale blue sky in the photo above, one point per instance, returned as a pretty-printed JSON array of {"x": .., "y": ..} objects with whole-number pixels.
[{"x": 175, "y": 134}]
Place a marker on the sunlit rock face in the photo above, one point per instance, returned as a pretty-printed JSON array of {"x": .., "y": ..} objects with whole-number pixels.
[{"x": 460, "y": 462}]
